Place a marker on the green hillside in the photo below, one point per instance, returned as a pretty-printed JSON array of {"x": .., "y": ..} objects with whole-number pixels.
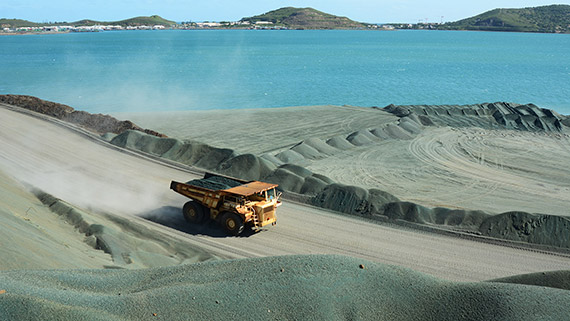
[
  {"x": 304, "y": 18},
  {"x": 137, "y": 21},
  {"x": 87, "y": 22},
  {"x": 145, "y": 21},
  {"x": 16, "y": 23},
  {"x": 554, "y": 18}
]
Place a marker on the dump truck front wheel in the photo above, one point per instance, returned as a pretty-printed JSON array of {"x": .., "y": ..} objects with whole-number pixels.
[
  {"x": 232, "y": 223},
  {"x": 193, "y": 212}
]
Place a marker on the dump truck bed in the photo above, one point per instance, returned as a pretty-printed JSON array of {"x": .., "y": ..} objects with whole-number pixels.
[{"x": 216, "y": 182}]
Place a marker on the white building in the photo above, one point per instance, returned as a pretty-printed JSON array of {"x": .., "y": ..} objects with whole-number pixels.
[{"x": 208, "y": 24}]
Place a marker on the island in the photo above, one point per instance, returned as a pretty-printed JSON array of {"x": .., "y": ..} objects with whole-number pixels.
[{"x": 544, "y": 19}]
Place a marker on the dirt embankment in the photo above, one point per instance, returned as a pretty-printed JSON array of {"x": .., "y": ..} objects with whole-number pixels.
[
  {"x": 97, "y": 123},
  {"x": 130, "y": 245}
]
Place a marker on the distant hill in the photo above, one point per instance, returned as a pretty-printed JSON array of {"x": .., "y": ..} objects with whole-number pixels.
[
  {"x": 16, "y": 23},
  {"x": 133, "y": 22},
  {"x": 137, "y": 21},
  {"x": 553, "y": 18},
  {"x": 144, "y": 21},
  {"x": 304, "y": 18}
]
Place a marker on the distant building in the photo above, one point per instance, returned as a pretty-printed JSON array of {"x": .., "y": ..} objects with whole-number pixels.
[{"x": 208, "y": 24}]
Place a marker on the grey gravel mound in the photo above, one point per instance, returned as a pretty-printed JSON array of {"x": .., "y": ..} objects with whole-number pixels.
[
  {"x": 290, "y": 157},
  {"x": 532, "y": 228},
  {"x": 360, "y": 138},
  {"x": 298, "y": 170},
  {"x": 408, "y": 211},
  {"x": 339, "y": 142},
  {"x": 352, "y": 199},
  {"x": 271, "y": 158},
  {"x": 412, "y": 117},
  {"x": 410, "y": 125},
  {"x": 297, "y": 179},
  {"x": 320, "y": 146},
  {"x": 415, "y": 213},
  {"x": 425, "y": 120},
  {"x": 313, "y": 185},
  {"x": 400, "y": 111},
  {"x": 307, "y": 151},
  {"x": 314, "y": 287},
  {"x": 187, "y": 152},
  {"x": 552, "y": 279},
  {"x": 397, "y": 132},
  {"x": 200, "y": 155},
  {"x": 463, "y": 218},
  {"x": 380, "y": 133},
  {"x": 147, "y": 143},
  {"x": 503, "y": 115},
  {"x": 247, "y": 166},
  {"x": 323, "y": 178},
  {"x": 287, "y": 180}
]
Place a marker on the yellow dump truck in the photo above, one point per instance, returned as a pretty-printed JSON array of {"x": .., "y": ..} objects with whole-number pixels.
[{"x": 234, "y": 203}]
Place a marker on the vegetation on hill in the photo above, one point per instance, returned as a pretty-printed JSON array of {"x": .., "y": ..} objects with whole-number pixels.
[
  {"x": 547, "y": 19},
  {"x": 553, "y": 18},
  {"x": 144, "y": 21},
  {"x": 137, "y": 21},
  {"x": 132, "y": 22},
  {"x": 16, "y": 23},
  {"x": 304, "y": 18}
]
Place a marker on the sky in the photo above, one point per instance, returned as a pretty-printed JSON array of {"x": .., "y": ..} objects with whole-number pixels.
[{"x": 372, "y": 11}]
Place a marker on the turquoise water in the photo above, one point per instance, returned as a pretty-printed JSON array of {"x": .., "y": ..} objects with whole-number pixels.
[{"x": 178, "y": 70}]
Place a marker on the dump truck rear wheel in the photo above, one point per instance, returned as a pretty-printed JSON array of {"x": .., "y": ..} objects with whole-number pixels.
[
  {"x": 193, "y": 212},
  {"x": 205, "y": 214},
  {"x": 232, "y": 223}
]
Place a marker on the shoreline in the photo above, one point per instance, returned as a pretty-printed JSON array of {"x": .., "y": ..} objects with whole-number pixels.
[
  {"x": 2, "y": 33},
  {"x": 14, "y": 33}
]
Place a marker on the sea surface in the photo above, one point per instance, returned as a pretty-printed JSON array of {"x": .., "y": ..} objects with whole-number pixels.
[{"x": 125, "y": 71}]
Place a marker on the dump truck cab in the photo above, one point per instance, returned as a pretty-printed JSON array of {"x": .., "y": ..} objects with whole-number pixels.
[
  {"x": 256, "y": 201},
  {"x": 234, "y": 203}
]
